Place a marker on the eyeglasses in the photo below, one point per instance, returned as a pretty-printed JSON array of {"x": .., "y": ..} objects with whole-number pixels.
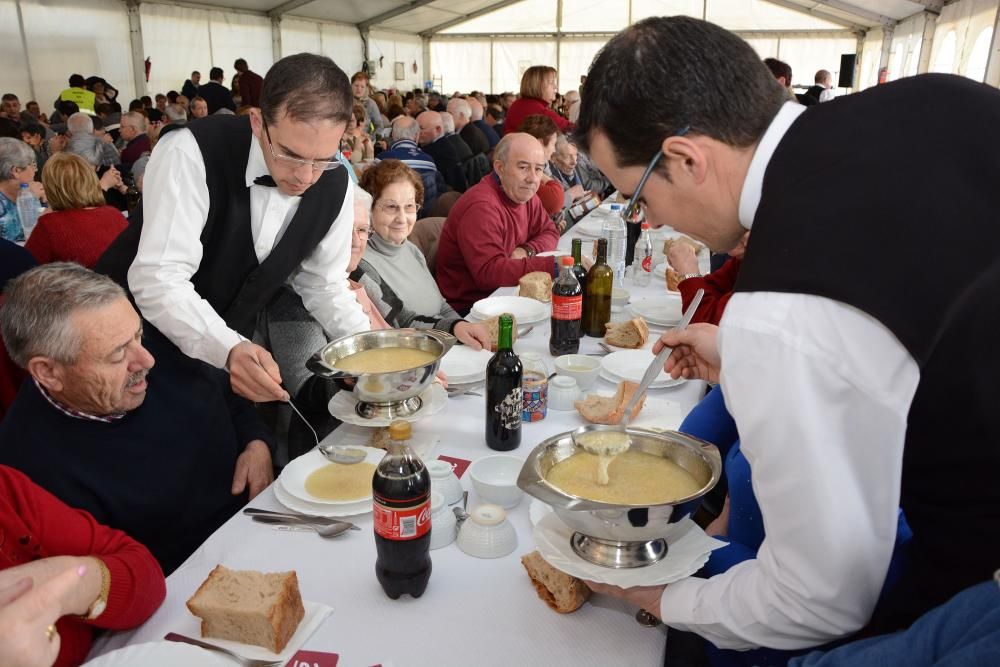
[
  {"x": 363, "y": 231},
  {"x": 392, "y": 208},
  {"x": 316, "y": 165},
  {"x": 633, "y": 212}
]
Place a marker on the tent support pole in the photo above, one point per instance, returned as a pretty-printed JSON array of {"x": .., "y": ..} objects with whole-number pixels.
[
  {"x": 24, "y": 49},
  {"x": 138, "y": 52},
  {"x": 276, "y": 38},
  {"x": 993, "y": 61}
]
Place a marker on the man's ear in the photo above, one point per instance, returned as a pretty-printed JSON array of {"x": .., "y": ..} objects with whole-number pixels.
[
  {"x": 47, "y": 373},
  {"x": 687, "y": 154}
]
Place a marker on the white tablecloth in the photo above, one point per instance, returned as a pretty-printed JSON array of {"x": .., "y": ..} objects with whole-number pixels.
[{"x": 474, "y": 612}]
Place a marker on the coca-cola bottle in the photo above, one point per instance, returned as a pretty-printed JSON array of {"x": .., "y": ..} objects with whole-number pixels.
[
  {"x": 401, "y": 491},
  {"x": 567, "y": 312}
]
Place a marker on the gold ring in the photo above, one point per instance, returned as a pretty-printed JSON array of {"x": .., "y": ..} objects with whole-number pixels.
[{"x": 51, "y": 632}]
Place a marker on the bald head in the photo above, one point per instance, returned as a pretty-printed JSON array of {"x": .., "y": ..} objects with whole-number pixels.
[
  {"x": 824, "y": 78},
  {"x": 519, "y": 161},
  {"x": 461, "y": 111},
  {"x": 475, "y": 108},
  {"x": 404, "y": 127},
  {"x": 430, "y": 127}
]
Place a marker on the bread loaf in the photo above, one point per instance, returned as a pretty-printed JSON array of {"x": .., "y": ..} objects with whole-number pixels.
[
  {"x": 493, "y": 326},
  {"x": 557, "y": 589},
  {"x": 263, "y": 609},
  {"x": 697, "y": 247},
  {"x": 536, "y": 285},
  {"x": 673, "y": 280},
  {"x": 630, "y": 334},
  {"x": 599, "y": 409}
]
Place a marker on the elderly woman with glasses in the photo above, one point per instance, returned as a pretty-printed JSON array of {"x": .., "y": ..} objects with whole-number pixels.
[
  {"x": 17, "y": 166},
  {"x": 393, "y": 271}
]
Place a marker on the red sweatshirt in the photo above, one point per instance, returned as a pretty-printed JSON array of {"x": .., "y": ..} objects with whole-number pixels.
[
  {"x": 36, "y": 524},
  {"x": 718, "y": 287},
  {"x": 482, "y": 230},
  {"x": 529, "y": 106},
  {"x": 76, "y": 235}
]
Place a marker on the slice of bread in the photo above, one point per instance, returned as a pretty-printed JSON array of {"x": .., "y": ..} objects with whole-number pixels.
[
  {"x": 599, "y": 409},
  {"x": 263, "y": 609},
  {"x": 697, "y": 247},
  {"x": 536, "y": 285},
  {"x": 673, "y": 280},
  {"x": 379, "y": 438},
  {"x": 630, "y": 334},
  {"x": 557, "y": 589},
  {"x": 493, "y": 326}
]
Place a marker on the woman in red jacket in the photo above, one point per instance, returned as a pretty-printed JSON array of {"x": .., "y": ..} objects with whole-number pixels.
[
  {"x": 80, "y": 227},
  {"x": 538, "y": 91},
  {"x": 550, "y": 192},
  {"x": 718, "y": 285},
  {"x": 63, "y": 576}
]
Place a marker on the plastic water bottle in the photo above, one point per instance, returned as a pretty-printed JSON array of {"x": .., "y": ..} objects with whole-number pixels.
[
  {"x": 642, "y": 264},
  {"x": 27, "y": 209},
  {"x": 614, "y": 231}
]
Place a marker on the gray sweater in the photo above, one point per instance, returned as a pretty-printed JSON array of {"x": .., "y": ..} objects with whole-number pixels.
[{"x": 398, "y": 282}]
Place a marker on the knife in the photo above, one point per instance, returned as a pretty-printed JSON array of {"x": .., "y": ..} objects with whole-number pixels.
[{"x": 300, "y": 518}]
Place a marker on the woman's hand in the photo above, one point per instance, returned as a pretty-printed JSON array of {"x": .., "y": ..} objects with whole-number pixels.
[
  {"x": 38, "y": 190},
  {"x": 695, "y": 355},
  {"x": 720, "y": 524},
  {"x": 475, "y": 336},
  {"x": 111, "y": 179}
]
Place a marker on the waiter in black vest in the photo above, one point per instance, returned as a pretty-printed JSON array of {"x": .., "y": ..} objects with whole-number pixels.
[
  {"x": 236, "y": 206},
  {"x": 860, "y": 380}
]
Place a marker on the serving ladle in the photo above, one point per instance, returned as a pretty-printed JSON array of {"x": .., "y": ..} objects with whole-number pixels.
[{"x": 607, "y": 448}]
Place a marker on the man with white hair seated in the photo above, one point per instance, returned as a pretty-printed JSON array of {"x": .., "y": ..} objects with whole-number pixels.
[
  {"x": 575, "y": 170},
  {"x": 461, "y": 111},
  {"x": 434, "y": 142},
  {"x": 92, "y": 149},
  {"x": 80, "y": 124},
  {"x": 462, "y": 149},
  {"x": 133, "y": 131},
  {"x": 166, "y": 454},
  {"x": 478, "y": 110},
  {"x": 175, "y": 113},
  {"x": 404, "y": 135}
]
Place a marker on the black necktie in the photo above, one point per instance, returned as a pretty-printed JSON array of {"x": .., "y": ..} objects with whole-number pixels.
[{"x": 266, "y": 181}]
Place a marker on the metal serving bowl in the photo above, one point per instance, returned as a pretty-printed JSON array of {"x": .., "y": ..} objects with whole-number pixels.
[
  {"x": 398, "y": 390},
  {"x": 622, "y": 535}
]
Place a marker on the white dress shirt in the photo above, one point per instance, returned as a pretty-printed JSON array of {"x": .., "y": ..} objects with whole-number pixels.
[
  {"x": 826, "y": 95},
  {"x": 175, "y": 211},
  {"x": 820, "y": 392}
]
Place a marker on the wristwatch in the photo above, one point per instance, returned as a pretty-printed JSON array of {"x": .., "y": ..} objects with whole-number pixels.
[
  {"x": 685, "y": 276},
  {"x": 530, "y": 251},
  {"x": 98, "y": 606}
]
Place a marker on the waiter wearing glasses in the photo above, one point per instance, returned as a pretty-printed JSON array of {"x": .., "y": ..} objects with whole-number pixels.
[{"x": 235, "y": 207}]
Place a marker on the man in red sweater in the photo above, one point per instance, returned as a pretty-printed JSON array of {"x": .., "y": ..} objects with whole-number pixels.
[{"x": 496, "y": 228}]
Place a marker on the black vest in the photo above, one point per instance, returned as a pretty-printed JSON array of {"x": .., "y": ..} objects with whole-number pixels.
[
  {"x": 229, "y": 276},
  {"x": 909, "y": 177}
]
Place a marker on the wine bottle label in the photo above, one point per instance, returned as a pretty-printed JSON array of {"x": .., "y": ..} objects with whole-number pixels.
[
  {"x": 401, "y": 523},
  {"x": 567, "y": 307},
  {"x": 510, "y": 409}
]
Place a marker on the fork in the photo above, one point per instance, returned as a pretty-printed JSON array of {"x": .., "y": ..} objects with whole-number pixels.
[{"x": 242, "y": 660}]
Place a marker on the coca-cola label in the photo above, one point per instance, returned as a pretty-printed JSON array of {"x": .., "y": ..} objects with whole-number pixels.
[
  {"x": 647, "y": 263},
  {"x": 401, "y": 523},
  {"x": 567, "y": 307}
]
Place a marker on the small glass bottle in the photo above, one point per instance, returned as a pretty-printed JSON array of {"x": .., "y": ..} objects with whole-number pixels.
[{"x": 534, "y": 387}]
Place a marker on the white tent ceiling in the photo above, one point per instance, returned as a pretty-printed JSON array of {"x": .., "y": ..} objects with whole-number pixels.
[{"x": 432, "y": 16}]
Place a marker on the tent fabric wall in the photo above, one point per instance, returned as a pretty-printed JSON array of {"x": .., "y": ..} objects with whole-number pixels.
[
  {"x": 958, "y": 29},
  {"x": 462, "y": 64},
  {"x": 14, "y": 73},
  {"x": 339, "y": 42},
  {"x": 808, "y": 55},
  {"x": 904, "y": 50},
  {"x": 396, "y": 47},
  {"x": 525, "y": 16},
  {"x": 575, "y": 57},
  {"x": 871, "y": 54},
  {"x": 512, "y": 56}
]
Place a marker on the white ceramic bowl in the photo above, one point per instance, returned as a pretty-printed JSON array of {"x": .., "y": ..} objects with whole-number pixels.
[
  {"x": 580, "y": 367},
  {"x": 619, "y": 297},
  {"x": 563, "y": 393},
  {"x": 443, "y": 522},
  {"x": 443, "y": 479},
  {"x": 487, "y": 533},
  {"x": 495, "y": 479}
]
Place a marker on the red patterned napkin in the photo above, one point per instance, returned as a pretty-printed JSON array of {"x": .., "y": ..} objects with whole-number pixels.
[{"x": 313, "y": 659}]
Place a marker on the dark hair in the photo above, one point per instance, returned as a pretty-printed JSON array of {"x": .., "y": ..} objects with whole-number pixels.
[
  {"x": 378, "y": 177},
  {"x": 394, "y": 111},
  {"x": 693, "y": 73},
  {"x": 539, "y": 126},
  {"x": 195, "y": 72},
  {"x": 239, "y": 63},
  {"x": 306, "y": 87},
  {"x": 154, "y": 115},
  {"x": 172, "y": 96},
  {"x": 98, "y": 123},
  {"x": 779, "y": 68},
  {"x": 116, "y": 106},
  {"x": 136, "y": 105},
  {"x": 146, "y": 100},
  {"x": 102, "y": 108},
  {"x": 8, "y": 97},
  {"x": 215, "y": 73},
  {"x": 8, "y": 129},
  {"x": 34, "y": 129},
  {"x": 77, "y": 81},
  {"x": 160, "y": 96},
  {"x": 67, "y": 108}
]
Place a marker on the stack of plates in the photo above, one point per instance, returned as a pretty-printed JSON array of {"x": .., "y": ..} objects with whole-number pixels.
[
  {"x": 591, "y": 226},
  {"x": 663, "y": 311},
  {"x": 525, "y": 310},
  {"x": 290, "y": 489},
  {"x": 632, "y": 365},
  {"x": 464, "y": 366}
]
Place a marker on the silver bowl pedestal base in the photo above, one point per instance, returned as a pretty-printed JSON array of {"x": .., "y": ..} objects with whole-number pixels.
[
  {"x": 618, "y": 555},
  {"x": 388, "y": 410}
]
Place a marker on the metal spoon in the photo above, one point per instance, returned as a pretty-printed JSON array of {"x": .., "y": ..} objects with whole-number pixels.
[
  {"x": 329, "y": 530},
  {"x": 301, "y": 518},
  {"x": 341, "y": 454},
  {"x": 524, "y": 331}
]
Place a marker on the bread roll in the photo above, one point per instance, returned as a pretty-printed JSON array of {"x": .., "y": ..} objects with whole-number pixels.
[
  {"x": 557, "y": 589},
  {"x": 673, "y": 280},
  {"x": 599, "y": 409},
  {"x": 493, "y": 326},
  {"x": 536, "y": 285},
  {"x": 249, "y": 607},
  {"x": 629, "y": 334}
]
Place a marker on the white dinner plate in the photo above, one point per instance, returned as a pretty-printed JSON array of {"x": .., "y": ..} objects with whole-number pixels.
[
  {"x": 527, "y": 311},
  {"x": 591, "y": 226},
  {"x": 160, "y": 654},
  {"x": 689, "y": 549},
  {"x": 293, "y": 477},
  {"x": 662, "y": 310},
  {"x": 463, "y": 365},
  {"x": 632, "y": 365},
  {"x": 318, "y": 509},
  {"x": 342, "y": 406}
]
